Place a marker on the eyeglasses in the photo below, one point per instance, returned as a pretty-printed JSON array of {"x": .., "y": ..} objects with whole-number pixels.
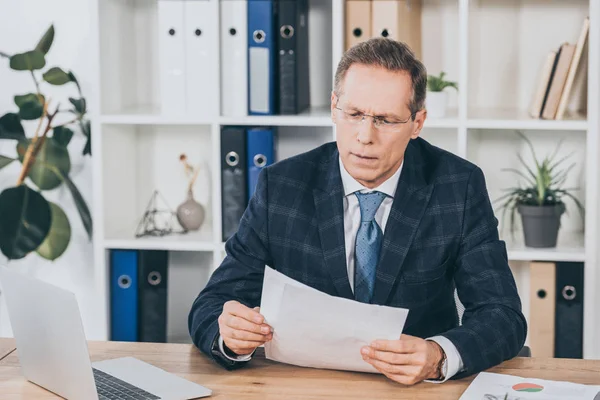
[{"x": 382, "y": 124}]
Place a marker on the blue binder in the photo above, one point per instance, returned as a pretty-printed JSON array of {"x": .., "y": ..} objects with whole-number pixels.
[
  {"x": 124, "y": 295},
  {"x": 261, "y": 57},
  {"x": 260, "y": 153}
]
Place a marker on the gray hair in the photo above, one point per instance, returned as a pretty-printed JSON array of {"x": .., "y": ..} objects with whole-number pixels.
[{"x": 391, "y": 55}]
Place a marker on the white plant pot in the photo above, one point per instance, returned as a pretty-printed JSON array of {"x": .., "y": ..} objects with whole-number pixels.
[{"x": 436, "y": 103}]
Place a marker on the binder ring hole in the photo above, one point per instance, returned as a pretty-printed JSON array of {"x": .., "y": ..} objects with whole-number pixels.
[
  {"x": 154, "y": 278},
  {"x": 259, "y": 36},
  {"x": 260, "y": 160},
  {"x": 232, "y": 31},
  {"x": 232, "y": 159},
  {"x": 172, "y": 32},
  {"x": 287, "y": 31},
  {"x": 357, "y": 32},
  {"x": 541, "y": 294},
  {"x": 198, "y": 32},
  {"x": 569, "y": 292},
  {"x": 124, "y": 281}
]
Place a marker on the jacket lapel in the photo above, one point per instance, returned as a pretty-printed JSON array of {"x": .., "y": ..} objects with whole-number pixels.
[
  {"x": 410, "y": 201},
  {"x": 328, "y": 197}
]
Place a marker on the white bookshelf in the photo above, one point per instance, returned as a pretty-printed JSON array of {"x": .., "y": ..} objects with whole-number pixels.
[{"x": 493, "y": 48}]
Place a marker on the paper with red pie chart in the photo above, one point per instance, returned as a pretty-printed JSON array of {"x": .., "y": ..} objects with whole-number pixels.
[{"x": 492, "y": 386}]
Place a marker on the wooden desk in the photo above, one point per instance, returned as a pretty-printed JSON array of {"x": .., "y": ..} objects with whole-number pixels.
[
  {"x": 7, "y": 346},
  {"x": 264, "y": 379}
]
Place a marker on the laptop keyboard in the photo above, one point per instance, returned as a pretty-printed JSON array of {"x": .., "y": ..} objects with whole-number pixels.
[{"x": 111, "y": 388}]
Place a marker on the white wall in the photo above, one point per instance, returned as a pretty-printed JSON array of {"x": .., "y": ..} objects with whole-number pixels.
[{"x": 22, "y": 22}]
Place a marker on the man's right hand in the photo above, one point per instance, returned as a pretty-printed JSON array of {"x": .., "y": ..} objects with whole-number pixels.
[{"x": 243, "y": 329}]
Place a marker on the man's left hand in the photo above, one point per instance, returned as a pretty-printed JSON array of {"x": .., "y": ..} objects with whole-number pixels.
[{"x": 408, "y": 361}]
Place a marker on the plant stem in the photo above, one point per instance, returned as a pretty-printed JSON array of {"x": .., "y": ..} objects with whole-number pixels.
[
  {"x": 4, "y": 55},
  {"x": 66, "y": 123},
  {"x": 37, "y": 85},
  {"x": 34, "y": 147}
]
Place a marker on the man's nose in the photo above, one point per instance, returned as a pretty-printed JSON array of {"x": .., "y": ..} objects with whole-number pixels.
[{"x": 366, "y": 130}]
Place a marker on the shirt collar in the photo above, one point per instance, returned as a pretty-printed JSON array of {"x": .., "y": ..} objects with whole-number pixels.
[{"x": 351, "y": 185}]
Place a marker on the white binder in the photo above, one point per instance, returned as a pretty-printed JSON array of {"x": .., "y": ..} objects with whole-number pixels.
[
  {"x": 200, "y": 37},
  {"x": 171, "y": 56},
  {"x": 234, "y": 57}
]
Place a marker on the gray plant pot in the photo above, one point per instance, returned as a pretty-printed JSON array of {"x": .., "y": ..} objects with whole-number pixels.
[{"x": 541, "y": 224}]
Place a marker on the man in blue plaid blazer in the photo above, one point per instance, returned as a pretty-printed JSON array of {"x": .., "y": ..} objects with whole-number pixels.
[{"x": 379, "y": 216}]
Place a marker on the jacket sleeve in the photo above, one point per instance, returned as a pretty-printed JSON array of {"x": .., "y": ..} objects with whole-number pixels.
[
  {"x": 493, "y": 327},
  {"x": 239, "y": 277}
]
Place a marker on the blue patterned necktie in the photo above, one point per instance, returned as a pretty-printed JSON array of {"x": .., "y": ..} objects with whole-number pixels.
[{"x": 368, "y": 243}]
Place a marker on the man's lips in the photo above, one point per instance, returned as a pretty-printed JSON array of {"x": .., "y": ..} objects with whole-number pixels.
[{"x": 363, "y": 156}]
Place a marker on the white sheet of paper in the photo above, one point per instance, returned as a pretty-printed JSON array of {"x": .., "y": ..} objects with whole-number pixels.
[
  {"x": 314, "y": 329},
  {"x": 491, "y": 386}
]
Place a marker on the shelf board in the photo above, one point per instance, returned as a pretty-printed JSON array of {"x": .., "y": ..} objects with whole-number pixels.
[
  {"x": 569, "y": 247},
  {"x": 151, "y": 115},
  {"x": 314, "y": 116},
  {"x": 191, "y": 241},
  {"x": 450, "y": 120},
  {"x": 520, "y": 119}
]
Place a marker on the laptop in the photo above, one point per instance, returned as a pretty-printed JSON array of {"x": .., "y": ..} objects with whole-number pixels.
[{"x": 53, "y": 350}]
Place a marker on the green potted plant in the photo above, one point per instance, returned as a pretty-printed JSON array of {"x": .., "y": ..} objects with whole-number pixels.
[
  {"x": 540, "y": 201},
  {"x": 436, "y": 99},
  {"x": 28, "y": 221}
]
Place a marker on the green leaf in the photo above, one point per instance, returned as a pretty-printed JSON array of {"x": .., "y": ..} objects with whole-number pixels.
[
  {"x": 56, "y": 76},
  {"x": 62, "y": 135},
  {"x": 52, "y": 157},
  {"x": 29, "y": 61},
  {"x": 25, "y": 219},
  {"x": 74, "y": 80},
  {"x": 58, "y": 237},
  {"x": 79, "y": 104},
  {"x": 4, "y": 161},
  {"x": 11, "y": 128},
  {"x": 86, "y": 128},
  {"x": 46, "y": 41},
  {"x": 82, "y": 208},
  {"x": 30, "y": 105}
]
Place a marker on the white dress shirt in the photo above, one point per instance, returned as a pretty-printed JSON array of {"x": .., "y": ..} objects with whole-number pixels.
[{"x": 454, "y": 362}]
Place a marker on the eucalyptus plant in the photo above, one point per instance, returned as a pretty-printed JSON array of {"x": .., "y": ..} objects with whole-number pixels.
[
  {"x": 439, "y": 83},
  {"x": 28, "y": 221},
  {"x": 544, "y": 185}
]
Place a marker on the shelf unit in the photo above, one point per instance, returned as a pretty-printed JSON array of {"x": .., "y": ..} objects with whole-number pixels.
[{"x": 492, "y": 48}]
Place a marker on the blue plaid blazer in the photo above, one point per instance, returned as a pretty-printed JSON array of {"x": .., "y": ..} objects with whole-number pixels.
[{"x": 441, "y": 234}]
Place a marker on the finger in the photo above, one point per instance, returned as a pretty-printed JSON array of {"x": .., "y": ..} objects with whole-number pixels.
[
  {"x": 240, "y": 310},
  {"x": 389, "y": 357},
  {"x": 402, "y": 379},
  {"x": 238, "y": 323},
  {"x": 242, "y": 346},
  {"x": 244, "y": 335},
  {"x": 383, "y": 366},
  {"x": 396, "y": 346}
]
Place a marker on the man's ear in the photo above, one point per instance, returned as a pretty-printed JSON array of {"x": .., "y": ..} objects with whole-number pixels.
[
  {"x": 420, "y": 117},
  {"x": 332, "y": 105}
]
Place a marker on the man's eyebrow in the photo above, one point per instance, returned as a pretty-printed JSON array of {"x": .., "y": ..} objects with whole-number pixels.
[{"x": 382, "y": 115}]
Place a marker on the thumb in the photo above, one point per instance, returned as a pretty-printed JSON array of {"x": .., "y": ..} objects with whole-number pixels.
[{"x": 257, "y": 309}]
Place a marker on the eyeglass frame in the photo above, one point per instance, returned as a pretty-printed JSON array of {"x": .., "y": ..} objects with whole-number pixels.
[{"x": 375, "y": 117}]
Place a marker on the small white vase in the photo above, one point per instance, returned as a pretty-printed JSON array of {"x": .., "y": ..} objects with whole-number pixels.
[{"x": 436, "y": 103}]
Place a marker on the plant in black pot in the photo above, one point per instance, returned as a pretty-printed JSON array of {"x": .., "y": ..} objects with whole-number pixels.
[{"x": 540, "y": 201}]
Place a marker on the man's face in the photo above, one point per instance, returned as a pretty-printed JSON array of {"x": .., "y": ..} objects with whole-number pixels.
[{"x": 371, "y": 154}]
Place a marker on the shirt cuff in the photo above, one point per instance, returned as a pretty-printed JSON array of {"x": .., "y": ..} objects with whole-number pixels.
[
  {"x": 238, "y": 358},
  {"x": 454, "y": 361}
]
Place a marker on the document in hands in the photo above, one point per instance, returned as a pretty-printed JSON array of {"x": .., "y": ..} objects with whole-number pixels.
[
  {"x": 314, "y": 329},
  {"x": 490, "y": 386}
]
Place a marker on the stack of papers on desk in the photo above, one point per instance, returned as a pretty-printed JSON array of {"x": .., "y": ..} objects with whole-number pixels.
[
  {"x": 489, "y": 386},
  {"x": 314, "y": 329}
]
